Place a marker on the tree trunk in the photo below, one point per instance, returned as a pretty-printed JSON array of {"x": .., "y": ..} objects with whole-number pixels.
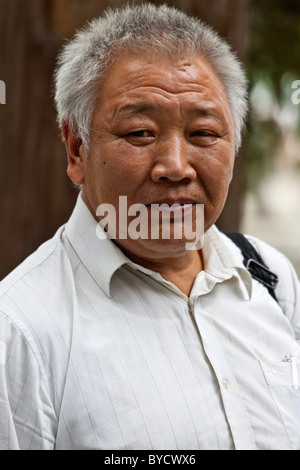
[
  {"x": 36, "y": 196},
  {"x": 35, "y": 193}
]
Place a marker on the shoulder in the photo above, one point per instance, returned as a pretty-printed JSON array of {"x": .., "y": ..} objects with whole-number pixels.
[
  {"x": 36, "y": 306},
  {"x": 37, "y": 295},
  {"x": 288, "y": 289},
  {"x": 41, "y": 269},
  {"x": 274, "y": 259}
]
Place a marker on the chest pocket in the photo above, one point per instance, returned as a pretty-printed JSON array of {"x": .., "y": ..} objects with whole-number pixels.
[{"x": 283, "y": 380}]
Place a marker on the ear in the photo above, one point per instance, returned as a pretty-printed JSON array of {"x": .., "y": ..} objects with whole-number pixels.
[{"x": 75, "y": 153}]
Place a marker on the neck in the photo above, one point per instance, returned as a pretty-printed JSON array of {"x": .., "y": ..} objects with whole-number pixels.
[{"x": 181, "y": 271}]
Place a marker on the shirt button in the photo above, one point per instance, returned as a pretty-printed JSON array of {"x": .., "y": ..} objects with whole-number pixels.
[{"x": 225, "y": 383}]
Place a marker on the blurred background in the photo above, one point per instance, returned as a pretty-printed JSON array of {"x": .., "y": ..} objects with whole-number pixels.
[{"x": 36, "y": 196}]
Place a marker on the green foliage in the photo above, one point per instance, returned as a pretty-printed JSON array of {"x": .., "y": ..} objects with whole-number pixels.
[
  {"x": 274, "y": 61},
  {"x": 275, "y": 38}
]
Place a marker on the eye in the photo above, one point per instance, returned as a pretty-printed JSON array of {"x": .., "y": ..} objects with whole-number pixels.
[
  {"x": 140, "y": 137},
  {"x": 203, "y": 138},
  {"x": 201, "y": 134},
  {"x": 141, "y": 133}
]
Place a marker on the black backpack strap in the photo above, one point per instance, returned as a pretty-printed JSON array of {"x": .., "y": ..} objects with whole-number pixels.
[{"x": 254, "y": 263}]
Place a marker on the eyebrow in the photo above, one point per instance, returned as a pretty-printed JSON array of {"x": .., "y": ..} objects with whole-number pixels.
[
  {"x": 132, "y": 109},
  {"x": 207, "y": 112}
]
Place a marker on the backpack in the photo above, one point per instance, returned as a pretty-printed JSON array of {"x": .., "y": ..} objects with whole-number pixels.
[{"x": 254, "y": 263}]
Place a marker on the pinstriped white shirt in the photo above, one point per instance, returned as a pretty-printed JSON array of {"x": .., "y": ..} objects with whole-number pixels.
[{"x": 97, "y": 352}]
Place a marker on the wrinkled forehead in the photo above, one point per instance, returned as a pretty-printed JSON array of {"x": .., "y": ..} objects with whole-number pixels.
[
  {"x": 180, "y": 69},
  {"x": 135, "y": 83}
]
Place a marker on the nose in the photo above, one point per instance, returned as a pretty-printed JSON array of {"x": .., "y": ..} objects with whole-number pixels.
[{"x": 172, "y": 162}]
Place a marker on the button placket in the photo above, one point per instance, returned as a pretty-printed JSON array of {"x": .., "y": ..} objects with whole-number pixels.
[{"x": 232, "y": 401}]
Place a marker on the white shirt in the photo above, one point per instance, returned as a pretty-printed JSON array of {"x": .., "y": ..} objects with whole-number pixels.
[{"x": 97, "y": 352}]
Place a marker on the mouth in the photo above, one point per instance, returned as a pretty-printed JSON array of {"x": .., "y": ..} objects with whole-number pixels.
[
  {"x": 170, "y": 202},
  {"x": 172, "y": 207}
]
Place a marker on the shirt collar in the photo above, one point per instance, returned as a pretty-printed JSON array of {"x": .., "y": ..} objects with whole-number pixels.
[
  {"x": 102, "y": 258},
  {"x": 223, "y": 260}
]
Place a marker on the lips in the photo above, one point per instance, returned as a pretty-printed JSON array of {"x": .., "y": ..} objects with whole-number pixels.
[
  {"x": 172, "y": 207},
  {"x": 171, "y": 202}
]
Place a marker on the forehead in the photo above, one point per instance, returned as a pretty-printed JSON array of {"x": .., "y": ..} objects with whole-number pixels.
[{"x": 158, "y": 80}]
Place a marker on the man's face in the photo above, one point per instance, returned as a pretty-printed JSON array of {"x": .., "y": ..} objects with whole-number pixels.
[{"x": 162, "y": 133}]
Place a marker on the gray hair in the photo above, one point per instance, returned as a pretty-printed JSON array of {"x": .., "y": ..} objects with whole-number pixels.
[{"x": 83, "y": 61}]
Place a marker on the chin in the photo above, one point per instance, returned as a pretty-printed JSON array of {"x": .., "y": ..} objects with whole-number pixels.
[{"x": 158, "y": 249}]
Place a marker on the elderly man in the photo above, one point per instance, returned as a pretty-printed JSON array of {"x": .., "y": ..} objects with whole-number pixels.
[{"x": 138, "y": 342}]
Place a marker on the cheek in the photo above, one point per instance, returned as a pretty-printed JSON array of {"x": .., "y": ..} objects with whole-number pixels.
[
  {"x": 215, "y": 172},
  {"x": 216, "y": 178},
  {"x": 122, "y": 170},
  {"x": 119, "y": 168}
]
